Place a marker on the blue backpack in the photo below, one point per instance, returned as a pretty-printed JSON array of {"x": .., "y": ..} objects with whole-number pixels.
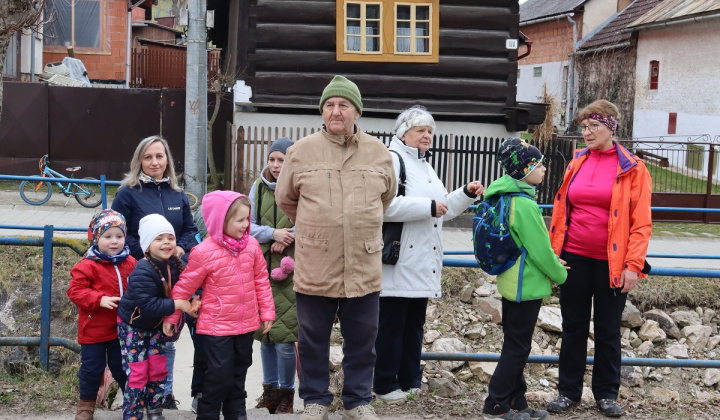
[{"x": 494, "y": 248}]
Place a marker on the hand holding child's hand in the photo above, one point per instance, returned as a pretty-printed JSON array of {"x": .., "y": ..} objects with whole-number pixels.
[
  {"x": 168, "y": 328},
  {"x": 277, "y": 248},
  {"x": 183, "y": 305},
  {"x": 267, "y": 325},
  {"x": 109, "y": 302},
  {"x": 564, "y": 263},
  {"x": 195, "y": 305}
]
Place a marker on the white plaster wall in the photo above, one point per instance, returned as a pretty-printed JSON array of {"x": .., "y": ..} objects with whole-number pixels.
[
  {"x": 530, "y": 88},
  {"x": 596, "y": 12},
  {"x": 687, "y": 82},
  {"x": 268, "y": 120},
  {"x": 26, "y": 48}
]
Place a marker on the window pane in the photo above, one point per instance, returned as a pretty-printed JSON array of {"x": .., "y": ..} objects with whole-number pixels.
[
  {"x": 372, "y": 44},
  {"x": 372, "y": 28},
  {"x": 353, "y": 11},
  {"x": 421, "y": 29},
  {"x": 422, "y": 13},
  {"x": 58, "y": 32},
  {"x": 422, "y": 45},
  {"x": 87, "y": 24},
  {"x": 403, "y": 12},
  {"x": 403, "y": 28},
  {"x": 372, "y": 11},
  {"x": 353, "y": 36}
]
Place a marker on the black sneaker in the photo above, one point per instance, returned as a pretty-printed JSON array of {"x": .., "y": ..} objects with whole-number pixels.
[
  {"x": 510, "y": 415},
  {"x": 560, "y": 404},
  {"x": 534, "y": 414},
  {"x": 610, "y": 408},
  {"x": 170, "y": 403}
]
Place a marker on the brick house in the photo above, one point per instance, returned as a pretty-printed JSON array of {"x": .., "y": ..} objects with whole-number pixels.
[
  {"x": 555, "y": 29},
  {"x": 97, "y": 30}
]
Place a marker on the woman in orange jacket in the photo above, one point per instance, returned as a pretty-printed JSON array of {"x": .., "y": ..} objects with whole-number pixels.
[{"x": 601, "y": 226}]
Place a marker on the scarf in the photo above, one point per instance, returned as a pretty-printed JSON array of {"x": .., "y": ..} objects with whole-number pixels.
[
  {"x": 150, "y": 180},
  {"x": 94, "y": 254},
  {"x": 237, "y": 245}
]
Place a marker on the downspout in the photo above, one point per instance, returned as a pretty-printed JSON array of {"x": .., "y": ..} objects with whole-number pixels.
[
  {"x": 32, "y": 55},
  {"x": 571, "y": 72},
  {"x": 127, "y": 48}
]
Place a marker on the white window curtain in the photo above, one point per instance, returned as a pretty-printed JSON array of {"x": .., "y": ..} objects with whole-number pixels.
[
  {"x": 353, "y": 38},
  {"x": 403, "y": 44}
]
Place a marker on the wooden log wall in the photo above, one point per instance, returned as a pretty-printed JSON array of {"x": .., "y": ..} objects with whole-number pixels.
[{"x": 291, "y": 57}]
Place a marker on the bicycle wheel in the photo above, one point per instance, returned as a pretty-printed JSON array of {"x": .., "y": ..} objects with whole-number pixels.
[
  {"x": 193, "y": 200},
  {"x": 34, "y": 192},
  {"x": 88, "y": 195}
]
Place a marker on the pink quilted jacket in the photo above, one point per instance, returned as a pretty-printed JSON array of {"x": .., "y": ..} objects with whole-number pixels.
[{"x": 236, "y": 293}]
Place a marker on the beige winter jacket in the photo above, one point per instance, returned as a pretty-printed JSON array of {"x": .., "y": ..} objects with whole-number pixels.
[{"x": 336, "y": 191}]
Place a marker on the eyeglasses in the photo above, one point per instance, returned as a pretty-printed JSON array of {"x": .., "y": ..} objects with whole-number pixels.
[{"x": 592, "y": 127}]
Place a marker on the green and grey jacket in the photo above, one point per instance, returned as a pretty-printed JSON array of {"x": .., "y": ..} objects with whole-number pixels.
[
  {"x": 531, "y": 276},
  {"x": 266, "y": 216}
]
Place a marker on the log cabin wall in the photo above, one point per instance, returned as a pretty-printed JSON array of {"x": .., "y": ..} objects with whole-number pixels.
[{"x": 291, "y": 57}]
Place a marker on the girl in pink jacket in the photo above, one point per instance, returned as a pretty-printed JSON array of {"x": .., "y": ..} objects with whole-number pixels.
[{"x": 230, "y": 267}]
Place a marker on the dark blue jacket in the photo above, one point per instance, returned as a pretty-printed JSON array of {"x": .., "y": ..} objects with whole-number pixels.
[
  {"x": 146, "y": 292},
  {"x": 136, "y": 202}
]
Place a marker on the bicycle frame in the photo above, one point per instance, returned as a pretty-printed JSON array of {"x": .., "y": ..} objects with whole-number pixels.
[{"x": 47, "y": 172}]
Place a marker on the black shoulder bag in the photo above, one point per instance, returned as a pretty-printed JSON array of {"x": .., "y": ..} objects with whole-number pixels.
[{"x": 392, "y": 231}]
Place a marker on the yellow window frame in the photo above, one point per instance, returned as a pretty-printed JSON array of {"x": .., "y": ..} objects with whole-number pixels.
[{"x": 388, "y": 33}]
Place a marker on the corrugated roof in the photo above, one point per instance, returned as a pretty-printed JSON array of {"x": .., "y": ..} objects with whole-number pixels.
[
  {"x": 678, "y": 9},
  {"x": 611, "y": 34},
  {"x": 538, "y": 9}
]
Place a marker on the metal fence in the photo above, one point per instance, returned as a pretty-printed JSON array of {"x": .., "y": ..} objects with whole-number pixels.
[
  {"x": 456, "y": 159},
  {"x": 165, "y": 67}
]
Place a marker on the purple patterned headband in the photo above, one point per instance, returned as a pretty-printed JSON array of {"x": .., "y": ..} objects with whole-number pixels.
[{"x": 609, "y": 121}]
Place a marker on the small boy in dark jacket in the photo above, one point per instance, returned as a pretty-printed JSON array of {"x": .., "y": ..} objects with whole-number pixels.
[{"x": 525, "y": 284}]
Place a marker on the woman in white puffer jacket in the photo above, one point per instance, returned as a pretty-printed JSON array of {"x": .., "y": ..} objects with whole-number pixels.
[{"x": 409, "y": 283}]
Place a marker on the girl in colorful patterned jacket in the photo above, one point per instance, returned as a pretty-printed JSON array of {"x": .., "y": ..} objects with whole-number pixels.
[
  {"x": 98, "y": 283},
  {"x": 231, "y": 269},
  {"x": 140, "y": 314}
]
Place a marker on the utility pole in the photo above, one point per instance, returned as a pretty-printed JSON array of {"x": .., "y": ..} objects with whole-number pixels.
[{"x": 196, "y": 100}]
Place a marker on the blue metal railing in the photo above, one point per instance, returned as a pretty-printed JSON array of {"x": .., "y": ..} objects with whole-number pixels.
[{"x": 45, "y": 341}]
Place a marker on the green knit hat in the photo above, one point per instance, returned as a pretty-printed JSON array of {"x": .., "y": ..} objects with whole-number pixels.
[{"x": 343, "y": 88}]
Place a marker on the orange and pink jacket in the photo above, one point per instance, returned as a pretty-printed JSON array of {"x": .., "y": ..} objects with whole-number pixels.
[
  {"x": 236, "y": 293},
  {"x": 629, "y": 219}
]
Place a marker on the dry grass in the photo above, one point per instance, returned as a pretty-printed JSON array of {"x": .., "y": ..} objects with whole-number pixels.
[{"x": 664, "y": 292}]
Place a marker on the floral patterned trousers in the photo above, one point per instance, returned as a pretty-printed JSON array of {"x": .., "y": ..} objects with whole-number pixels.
[{"x": 144, "y": 362}]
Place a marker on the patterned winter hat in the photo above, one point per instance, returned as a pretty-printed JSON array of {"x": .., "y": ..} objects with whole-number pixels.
[
  {"x": 104, "y": 221},
  {"x": 518, "y": 158}
]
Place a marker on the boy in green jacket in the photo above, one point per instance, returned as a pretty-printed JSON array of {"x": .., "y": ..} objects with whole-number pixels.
[{"x": 525, "y": 284}]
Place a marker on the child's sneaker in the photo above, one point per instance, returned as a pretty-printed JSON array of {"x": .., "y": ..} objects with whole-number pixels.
[
  {"x": 534, "y": 414},
  {"x": 393, "y": 397},
  {"x": 560, "y": 404},
  {"x": 510, "y": 415}
]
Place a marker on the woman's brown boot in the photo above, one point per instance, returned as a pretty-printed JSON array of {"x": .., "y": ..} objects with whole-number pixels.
[
  {"x": 85, "y": 410},
  {"x": 269, "y": 398},
  {"x": 286, "y": 398}
]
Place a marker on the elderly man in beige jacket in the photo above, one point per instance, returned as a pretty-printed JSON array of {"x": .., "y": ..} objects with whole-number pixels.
[{"x": 335, "y": 185}]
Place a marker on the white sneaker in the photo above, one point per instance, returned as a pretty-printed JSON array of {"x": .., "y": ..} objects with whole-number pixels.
[
  {"x": 315, "y": 412},
  {"x": 393, "y": 397},
  {"x": 364, "y": 412}
]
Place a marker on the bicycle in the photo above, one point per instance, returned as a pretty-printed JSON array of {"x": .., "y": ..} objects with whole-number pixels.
[
  {"x": 192, "y": 198},
  {"x": 37, "y": 193}
]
